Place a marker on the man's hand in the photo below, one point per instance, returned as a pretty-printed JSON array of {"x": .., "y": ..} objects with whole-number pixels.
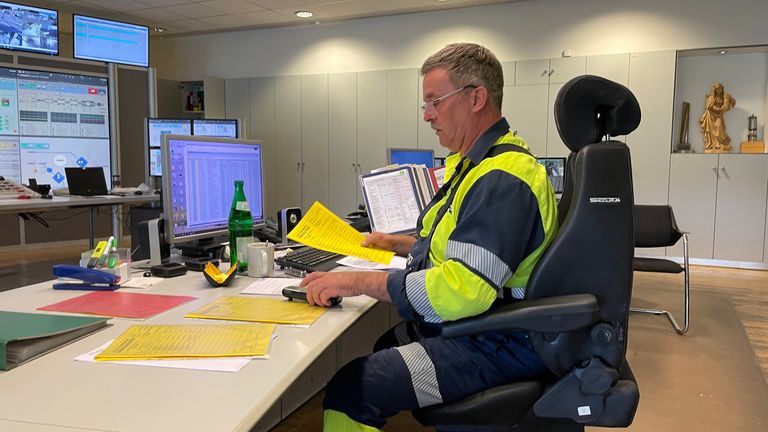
[
  {"x": 400, "y": 244},
  {"x": 322, "y": 286}
]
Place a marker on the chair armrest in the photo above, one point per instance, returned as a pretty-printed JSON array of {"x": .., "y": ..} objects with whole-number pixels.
[{"x": 549, "y": 314}]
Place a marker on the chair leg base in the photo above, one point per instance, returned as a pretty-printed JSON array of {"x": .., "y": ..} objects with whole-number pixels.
[{"x": 659, "y": 312}]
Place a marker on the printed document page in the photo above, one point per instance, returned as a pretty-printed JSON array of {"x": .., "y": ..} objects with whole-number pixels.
[
  {"x": 189, "y": 341},
  {"x": 259, "y": 309},
  {"x": 322, "y": 229},
  {"x": 392, "y": 200}
]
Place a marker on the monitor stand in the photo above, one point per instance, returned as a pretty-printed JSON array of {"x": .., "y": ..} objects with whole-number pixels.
[{"x": 209, "y": 248}]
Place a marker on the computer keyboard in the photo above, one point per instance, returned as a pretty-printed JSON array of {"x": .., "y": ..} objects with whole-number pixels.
[
  {"x": 309, "y": 259},
  {"x": 11, "y": 189}
]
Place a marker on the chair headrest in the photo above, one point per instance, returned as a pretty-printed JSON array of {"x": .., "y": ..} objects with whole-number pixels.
[{"x": 588, "y": 107}]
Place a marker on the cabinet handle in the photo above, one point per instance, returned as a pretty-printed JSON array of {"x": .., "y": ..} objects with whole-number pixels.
[
  {"x": 298, "y": 166},
  {"x": 545, "y": 72},
  {"x": 551, "y": 71},
  {"x": 714, "y": 170},
  {"x": 725, "y": 173}
]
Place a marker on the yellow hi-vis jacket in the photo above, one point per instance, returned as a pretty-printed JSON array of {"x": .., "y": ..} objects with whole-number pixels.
[{"x": 481, "y": 235}]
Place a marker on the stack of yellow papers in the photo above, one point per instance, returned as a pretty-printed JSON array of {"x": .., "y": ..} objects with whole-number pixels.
[
  {"x": 259, "y": 310},
  {"x": 147, "y": 342},
  {"x": 322, "y": 229}
]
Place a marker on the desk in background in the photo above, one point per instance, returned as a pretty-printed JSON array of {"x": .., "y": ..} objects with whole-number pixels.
[
  {"x": 59, "y": 202},
  {"x": 57, "y": 392}
]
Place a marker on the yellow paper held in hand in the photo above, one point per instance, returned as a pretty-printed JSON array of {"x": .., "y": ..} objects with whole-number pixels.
[
  {"x": 265, "y": 310},
  {"x": 322, "y": 229},
  {"x": 142, "y": 342}
]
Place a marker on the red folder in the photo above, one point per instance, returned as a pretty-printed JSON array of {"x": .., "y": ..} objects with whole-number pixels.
[{"x": 117, "y": 304}]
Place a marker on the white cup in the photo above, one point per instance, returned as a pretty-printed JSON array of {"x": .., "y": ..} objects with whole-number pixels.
[{"x": 261, "y": 259}]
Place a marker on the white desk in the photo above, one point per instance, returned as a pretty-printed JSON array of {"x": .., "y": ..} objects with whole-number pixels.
[
  {"x": 58, "y": 202},
  {"x": 54, "y": 391}
]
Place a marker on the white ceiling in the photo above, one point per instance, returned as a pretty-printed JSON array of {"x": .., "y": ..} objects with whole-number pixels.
[{"x": 208, "y": 16}]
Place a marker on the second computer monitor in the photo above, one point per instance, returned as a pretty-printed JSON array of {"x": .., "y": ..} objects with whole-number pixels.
[
  {"x": 198, "y": 184},
  {"x": 224, "y": 128},
  {"x": 403, "y": 156},
  {"x": 555, "y": 172}
]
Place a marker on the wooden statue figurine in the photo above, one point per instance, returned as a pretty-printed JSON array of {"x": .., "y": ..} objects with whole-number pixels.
[{"x": 716, "y": 140}]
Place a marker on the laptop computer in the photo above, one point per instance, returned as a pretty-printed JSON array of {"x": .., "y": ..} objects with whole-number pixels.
[{"x": 86, "y": 181}]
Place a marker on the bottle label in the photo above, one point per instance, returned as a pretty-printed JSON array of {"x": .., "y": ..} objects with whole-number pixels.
[
  {"x": 242, "y": 250},
  {"x": 242, "y": 205}
]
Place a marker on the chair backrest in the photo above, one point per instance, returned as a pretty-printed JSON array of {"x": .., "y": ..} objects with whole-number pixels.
[
  {"x": 593, "y": 250},
  {"x": 655, "y": 226}
]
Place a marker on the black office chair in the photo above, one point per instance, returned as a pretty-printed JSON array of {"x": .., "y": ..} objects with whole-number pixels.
[
  {"x": 655, "y": 226},
  {"x": 576, "y": 303}
]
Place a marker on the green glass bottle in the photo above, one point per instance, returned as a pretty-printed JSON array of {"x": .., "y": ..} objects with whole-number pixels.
[{"x": 240, "y": 228}]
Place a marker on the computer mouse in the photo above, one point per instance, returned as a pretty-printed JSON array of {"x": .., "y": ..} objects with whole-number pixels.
[
  {"x": 138, "y": 193},
  {"x": 147, "y": 274}
]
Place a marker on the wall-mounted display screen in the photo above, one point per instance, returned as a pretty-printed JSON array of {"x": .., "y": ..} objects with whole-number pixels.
[
  {"x": 110, "y": 41},
  {"x": 50, "y": 121},
  {"x": 29, "y": 28}
]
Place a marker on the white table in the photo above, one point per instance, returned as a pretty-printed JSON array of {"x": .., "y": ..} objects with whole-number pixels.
[
  {"x": 59, "y": 202},
  {"x": 54, "y": 391}
]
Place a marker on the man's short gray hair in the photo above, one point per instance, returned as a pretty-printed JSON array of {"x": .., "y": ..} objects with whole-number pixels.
[{"x": 469, "y": 64}]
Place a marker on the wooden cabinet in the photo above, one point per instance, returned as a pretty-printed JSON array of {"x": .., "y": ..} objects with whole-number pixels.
[{"x": 721, "y": 201}]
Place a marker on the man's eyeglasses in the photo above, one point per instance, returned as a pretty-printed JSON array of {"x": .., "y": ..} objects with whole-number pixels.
[{"x": 431, "y": 106}]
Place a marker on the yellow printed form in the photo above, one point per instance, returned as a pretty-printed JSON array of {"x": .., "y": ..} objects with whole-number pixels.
[
  {"x": 151, "y": 342},
  {"x": 322, "y": 229},
  {"x": 259, "y": 310}
]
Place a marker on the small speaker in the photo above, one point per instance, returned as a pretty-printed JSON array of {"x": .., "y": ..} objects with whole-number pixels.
[{"x": 287, "y": 219}]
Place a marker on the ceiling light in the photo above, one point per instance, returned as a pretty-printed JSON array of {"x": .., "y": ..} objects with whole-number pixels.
[
  {"x": 160, "y": 29},
  {"x": 304, "y": 14}
]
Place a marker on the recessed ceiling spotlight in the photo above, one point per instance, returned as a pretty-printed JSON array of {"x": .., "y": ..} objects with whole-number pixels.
[
  {"x": 304, "y": 14},
  {"x": 160, "y": 29},
  {"x": 723, "y": 51}
]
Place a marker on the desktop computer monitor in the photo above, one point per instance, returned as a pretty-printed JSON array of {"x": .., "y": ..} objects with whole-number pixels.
[
  {"x": 411, "y": 156},
  {"x": 199, "y": 184},
  {"x": 157, "y": 127},
  {"x": 224, "y": 128},
  {"x": 555, "y": 172}
]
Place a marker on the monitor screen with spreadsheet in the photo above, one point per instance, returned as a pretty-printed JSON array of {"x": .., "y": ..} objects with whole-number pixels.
[
  {"x": 555, "y": 172},
  {"x": 199, "y": 184}
]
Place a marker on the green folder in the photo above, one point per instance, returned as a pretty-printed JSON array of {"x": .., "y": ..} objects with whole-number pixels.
[{"x": 25, "y": 336}]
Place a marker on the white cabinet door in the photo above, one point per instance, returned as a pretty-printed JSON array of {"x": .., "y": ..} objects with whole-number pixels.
[
  {"x": 342, "y": 135},
  {"x": 509, "y": 72},
  {"x": 314, "y": 139},
  {"x": 525, "y": 108},
  {"x": 692, "y": 191},
  {"x": 426, "y": 136},
  {"x": 741, "y": 202},
  {"x": 288, "y": 141},
  {"x": 614, "y": 67},
  {"x": 261, "y": 126},
  {"x": 652, "y": 80},
  {"x": 529, "y": 72},
  {"x": 214, "y": 97},
  {"x": 371, "y": 120},
  {"x": 402, "y": 110},
  {"x": 563, "y": 69},
  {"x": 555, "y": 145}
]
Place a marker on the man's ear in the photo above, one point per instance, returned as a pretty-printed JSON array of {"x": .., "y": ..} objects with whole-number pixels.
[{"x": 479, "y": 98}]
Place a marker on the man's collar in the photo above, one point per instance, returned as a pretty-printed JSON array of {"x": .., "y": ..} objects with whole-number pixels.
[{"x": 485, "y": 141}]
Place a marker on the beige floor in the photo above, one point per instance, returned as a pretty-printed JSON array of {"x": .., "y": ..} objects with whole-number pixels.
[{"x": 747, "y": 290}]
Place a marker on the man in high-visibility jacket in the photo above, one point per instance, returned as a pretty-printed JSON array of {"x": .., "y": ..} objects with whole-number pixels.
[{"x": 477, "y": 243}]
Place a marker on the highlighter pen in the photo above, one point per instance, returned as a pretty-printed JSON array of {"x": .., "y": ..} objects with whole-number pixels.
[
  {"x": 112, "y": 258},
  {"x": 105, "y": 252},
  {"x": 97, "y": 253}
]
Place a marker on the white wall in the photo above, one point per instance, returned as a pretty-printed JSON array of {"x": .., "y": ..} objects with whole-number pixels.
[{"x": 520, "y": 30}]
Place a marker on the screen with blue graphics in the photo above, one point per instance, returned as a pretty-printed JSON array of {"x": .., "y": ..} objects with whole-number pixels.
[
  {"x": 111, "y": 41},
  {"x": 49, "y": 121}
]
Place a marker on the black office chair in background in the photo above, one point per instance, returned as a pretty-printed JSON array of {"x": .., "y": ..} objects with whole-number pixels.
[
  {"x": 655, "y": 226},
  {"x": 576, "y": 304}
]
